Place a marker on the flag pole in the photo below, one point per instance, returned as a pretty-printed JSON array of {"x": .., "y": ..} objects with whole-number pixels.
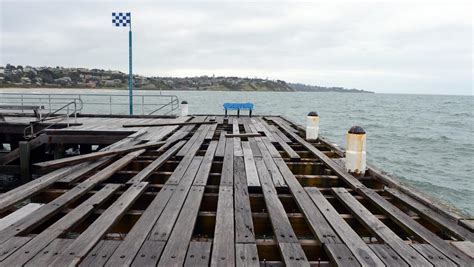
[{"x": 130, "y": 75}]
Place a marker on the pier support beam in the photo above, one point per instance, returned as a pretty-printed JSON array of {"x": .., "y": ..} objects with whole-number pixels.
[{"x": 25, "y": 163}]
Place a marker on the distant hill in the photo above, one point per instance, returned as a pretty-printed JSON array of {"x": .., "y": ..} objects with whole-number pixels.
[{"x": 59, "y": 77}]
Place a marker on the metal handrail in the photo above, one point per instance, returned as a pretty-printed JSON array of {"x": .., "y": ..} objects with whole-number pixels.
[
  {"x": 48, "y": 117},
  {"x": 146, "y": 104}
]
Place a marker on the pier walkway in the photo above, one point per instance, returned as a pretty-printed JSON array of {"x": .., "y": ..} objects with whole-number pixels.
[{"x": 211, "y": 190}]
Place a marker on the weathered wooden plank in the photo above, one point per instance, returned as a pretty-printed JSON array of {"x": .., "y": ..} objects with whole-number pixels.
[
  {"x": 195, "y": 142},
  {"x": 281, "y": 225},
  {"x": 379, "y": 229},
  {"x": 82, "y": 245},
  {"x": 47, "y": 255},
  {"x": 221, "y": 145},
  {"x": 354, "y": 243},
  {"x": 387, "y": 255},
  {"x": 415, "y": 228},
  {"x": 344, "y": 256},
  {"x": 167, "y": 124},
  {"x": 162, "y": 229},
  {"x": 270, "y": 147},
  {"x": 223, "y": 249},
  {"x": 465, "y": 246},
  {"x": 293, "y": 254},
  {"x": 174, "y": 253},
  {"x": 212, "y": 130},
  {"x": 250, "y": 168},
  {"x": 262, "y": 126},
  {"x": 436, "y": 218},
  {"x": 148, "y": 170},
  {"x": 149, "y": 253},
  {"x": 319, "y": 226},
  {"x": 12, "y": 245},
  {"x": 246, "y": 255},
  {"x": 244, "y": 232},
  {"x": 48, "y": 235},
  {"x": 245, "y": 135},
  {"x": 432, "y": 255},
  {"x": 53, "y": 207},
  {"x": 198, "y": 254},
  {"x": 277, "y": 177},
  {"x": 227, "y": 176},
  {"x": 92, "y": 156},
  {"x": 205, "y": 168},
  {"x": 130, "y": 246},
  {"x": 237, "y": 141},
  {"x": 19, "y": 214},
  {"x": 100, "y": 253}
]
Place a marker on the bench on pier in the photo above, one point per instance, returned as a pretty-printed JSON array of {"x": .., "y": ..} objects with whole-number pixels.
[
  {"x": 35, "y": 109},
  {"x": 238, "y": 107}
]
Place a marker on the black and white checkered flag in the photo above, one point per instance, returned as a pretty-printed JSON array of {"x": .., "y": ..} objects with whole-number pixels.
[{"x": 121, "y": 19}]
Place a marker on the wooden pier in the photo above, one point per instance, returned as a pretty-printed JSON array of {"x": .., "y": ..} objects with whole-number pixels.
[{"x": 209, "y": 190}]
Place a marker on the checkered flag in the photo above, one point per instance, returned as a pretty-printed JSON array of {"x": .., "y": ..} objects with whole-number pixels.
[{"x": 120, "y": 19}]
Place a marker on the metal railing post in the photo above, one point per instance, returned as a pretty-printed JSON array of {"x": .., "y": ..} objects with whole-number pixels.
[
  {"x": 75, "y": 111},
  {"x": 49, "y": 102},
  {"x": 67, "y": 115},
  {"x": 110, "y": 105},
  {"x": 143, "y": 105}
]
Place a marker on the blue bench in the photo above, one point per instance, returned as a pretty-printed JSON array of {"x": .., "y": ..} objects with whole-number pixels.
[{"x": 238, "y": 107}]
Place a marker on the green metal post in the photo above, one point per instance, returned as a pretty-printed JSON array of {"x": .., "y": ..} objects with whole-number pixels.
[{"x": 130, "y": 75}]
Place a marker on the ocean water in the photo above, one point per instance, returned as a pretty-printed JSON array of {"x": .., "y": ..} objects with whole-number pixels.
[{"x": 425, "y": 140}]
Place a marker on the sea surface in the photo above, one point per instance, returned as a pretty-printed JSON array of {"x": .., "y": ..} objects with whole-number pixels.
[{"x": 425, "y": 140}]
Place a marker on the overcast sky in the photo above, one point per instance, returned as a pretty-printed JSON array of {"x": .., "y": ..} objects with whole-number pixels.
[{"x": 383, "y": 46}]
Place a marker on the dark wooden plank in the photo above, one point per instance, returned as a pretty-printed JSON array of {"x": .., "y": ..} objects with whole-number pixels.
[
  {"x": 71, "y": 219},
  {"x": 387, "y": 255},
  {"x": 432, "y": 255},
  {"x": 250, "y": 168},
  {"x": 46, "y": 256},
  {"x": 379, "y": 229},
  {"x": 344, "y": 256},
  {"x": 174, "y": 253},
  {"x": 167, "y": 124},
  {"x": 243, "y": 135},
  {"x": 227, "y": 176},
  {"x": 318, "y": 224},
  {"x": 53, "y": 207},
  {"x": 149, "y": 253},
  {"x": 223, "y": 249},
  {"x": 415, "y": 228},
  {"x": 148, "y": 170},
  {"x": 128, "y": 249},
  {"x": 92, "y": 156},
  {"x": 82, "y": 245},
  {"x": 246, "y": 255},
  {"x": 432, "y": 216},
  {"x": 15, "y": 153},
  {"x": 162, "y": 229},
  {"x": 198, "y": 254},
  {"x": 100, "y": 253},
  {"x": 244, "y": 232},
  {"x": 205, "y": 168},
  {"x": 293, "y": 254},
  {"x": 221, "y": 145},
  {"x": 277, "y": 177},
  {"x": 12, "y": 245},
  {"x": 354, "y": 243}
]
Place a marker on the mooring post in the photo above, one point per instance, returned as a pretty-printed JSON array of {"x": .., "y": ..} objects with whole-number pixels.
[
  {"x": 25, "y": 173},
  {"x": 312, "y": 126},
  {"x": 184, "y": 108},
  {"x": 355, "y": 151}
]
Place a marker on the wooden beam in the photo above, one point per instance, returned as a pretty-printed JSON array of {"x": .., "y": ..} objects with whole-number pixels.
[
  {"x": 92, "y": 156},
  {"x": 167, "y": 124},
  {"x": 243, "y": 135},
  {"x": 25, "y": 165}
]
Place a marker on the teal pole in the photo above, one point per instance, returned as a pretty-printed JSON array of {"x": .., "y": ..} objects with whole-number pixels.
[{"x": 130, "y": 75}]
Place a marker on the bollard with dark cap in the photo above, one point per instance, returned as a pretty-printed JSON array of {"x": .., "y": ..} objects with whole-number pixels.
[
  {"x": 312, "y": 126},
  {"x": 184, "y": 108},
  {"x": 355, "y": 151}
]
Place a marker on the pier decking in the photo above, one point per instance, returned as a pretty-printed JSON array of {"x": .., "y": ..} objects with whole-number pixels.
[{"x": 217, "y": 191}]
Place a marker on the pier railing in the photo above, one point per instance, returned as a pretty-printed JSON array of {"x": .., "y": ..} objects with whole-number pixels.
[{"x": 112, "y": 104}]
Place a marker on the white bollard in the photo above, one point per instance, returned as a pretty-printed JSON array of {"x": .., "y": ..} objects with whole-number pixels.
[
  {"x": 184, "y": 108},
  {"x": 355, "y": 151},
  {"x": 312, "y": 126}
]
